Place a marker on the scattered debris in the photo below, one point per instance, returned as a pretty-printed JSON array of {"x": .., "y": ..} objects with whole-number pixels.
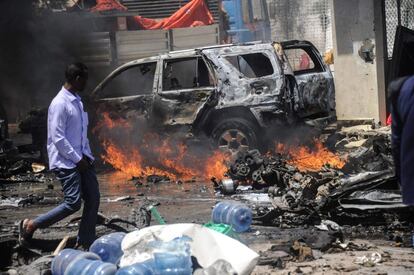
[
  {"x": 301, "y": 251},
  {"x": 369, "y": 260},
  {"x": 38, "y": 167},
  {"x": 123, "y": 198},
  {"x": 356, "y": 193}
]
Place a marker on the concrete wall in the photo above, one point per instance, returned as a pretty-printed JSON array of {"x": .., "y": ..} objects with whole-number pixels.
[
  {"x": 302, "y": 20},
  {"x": 360, "y": 92}
]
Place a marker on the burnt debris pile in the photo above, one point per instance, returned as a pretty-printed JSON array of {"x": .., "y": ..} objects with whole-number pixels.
[
  {"x": 26, "y": 160},
  {"x": 363, "y": 191}
]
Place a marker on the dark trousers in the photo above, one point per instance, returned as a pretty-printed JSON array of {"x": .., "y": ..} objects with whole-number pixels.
[{"x": 76, "y": 186}]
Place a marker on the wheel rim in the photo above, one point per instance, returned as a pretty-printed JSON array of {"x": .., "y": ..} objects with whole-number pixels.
[{"x": 233, "y": 141}]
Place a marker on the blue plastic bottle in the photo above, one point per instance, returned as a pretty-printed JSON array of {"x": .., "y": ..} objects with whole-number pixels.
[
  {"x": 144, "y": 268},
  {"x": 66, "y": 257},
  {"x": 173, "y": 257},
  {"x": 90, "y": 267},
  {"x": 108, "y": 247},
  {"x": 238, "y": 215},
  {"x": 172, "y": 263}
]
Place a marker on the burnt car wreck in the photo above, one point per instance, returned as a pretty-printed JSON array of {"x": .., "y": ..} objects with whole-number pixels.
[{"x": 230, "y": 93}]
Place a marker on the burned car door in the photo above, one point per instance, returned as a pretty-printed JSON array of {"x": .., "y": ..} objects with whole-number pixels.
[
  {"x": 128, "y": 91},
  {"x": 313, "y": 78},
  {"x": 249, "y": 76},
  {"x": 184, "y": 87}
]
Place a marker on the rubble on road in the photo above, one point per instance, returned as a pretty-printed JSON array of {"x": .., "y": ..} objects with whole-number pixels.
[
  {"x": 317, "y": 208},
  {"x": 363, "y": 191}
]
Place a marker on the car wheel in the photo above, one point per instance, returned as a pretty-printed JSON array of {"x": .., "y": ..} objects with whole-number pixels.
[{"x": 235, "y": 135}]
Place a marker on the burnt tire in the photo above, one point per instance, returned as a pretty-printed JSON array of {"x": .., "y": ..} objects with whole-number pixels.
[{"x": 235, "y": 135}]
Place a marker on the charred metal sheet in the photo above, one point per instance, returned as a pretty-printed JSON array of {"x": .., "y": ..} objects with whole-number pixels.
[
  {"x": 238, "y": 90},
  {"x": 315, "y": 91},
  {"x": 177, "y": 107},
  {"x": 128, "y": 106}
]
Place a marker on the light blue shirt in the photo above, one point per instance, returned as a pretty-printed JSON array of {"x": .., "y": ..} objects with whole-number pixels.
[{"x": 67, "y": 127}]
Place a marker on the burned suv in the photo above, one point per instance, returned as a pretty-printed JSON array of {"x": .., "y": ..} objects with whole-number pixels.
[{"x": 232, "y": 93}]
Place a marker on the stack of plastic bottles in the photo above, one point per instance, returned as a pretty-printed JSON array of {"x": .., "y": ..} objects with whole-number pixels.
[
  {"x": 108, "y": 247},
  {"x": 171, "y": 257},
  {"x": 167, "y": 258},
  {"x": 102, "y": 259},
  {"x": 75, "y": 262},
  {"x": 236, "y": 214}
]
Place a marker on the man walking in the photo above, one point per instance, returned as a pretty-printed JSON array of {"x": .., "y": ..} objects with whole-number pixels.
[
  {"x": 402, "y": 99},
  {"x": 71, "y": 159}
]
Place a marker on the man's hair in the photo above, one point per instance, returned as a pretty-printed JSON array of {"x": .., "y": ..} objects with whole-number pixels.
[{"x": 74, "y": 70}]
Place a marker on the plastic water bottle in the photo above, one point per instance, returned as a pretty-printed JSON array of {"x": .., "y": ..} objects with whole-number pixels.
[
  {"x": 172, "y": 263},
  {"x": 144, "y": 268},
  {"x": 238, "y": 215},
  {"x": 90, "y": 267},
  {"x": 173, "y": 257},
  {"x": 66, "y": 257},
  {"x": 108, "y": 247}
]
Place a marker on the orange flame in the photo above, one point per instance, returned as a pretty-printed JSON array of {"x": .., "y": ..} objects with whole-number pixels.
[
  {"x": 154, "y": 155},
  {"x": 307, "y": 159},
  {"x": 215, "y": 165},
  {"x": 109, "y": 123}
]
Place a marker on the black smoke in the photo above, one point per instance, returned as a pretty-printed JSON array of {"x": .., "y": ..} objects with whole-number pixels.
[{"x": 37, "y": 43}]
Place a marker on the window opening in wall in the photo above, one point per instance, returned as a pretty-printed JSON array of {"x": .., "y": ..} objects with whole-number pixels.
[
  {"x": 135, "y": 80},
  {"x": 185, "y": 74},
  {"x": 252, "y": 65}
]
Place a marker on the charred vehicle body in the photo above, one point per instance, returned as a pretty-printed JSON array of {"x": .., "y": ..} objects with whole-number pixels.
[{"x": 231, "y": 93}]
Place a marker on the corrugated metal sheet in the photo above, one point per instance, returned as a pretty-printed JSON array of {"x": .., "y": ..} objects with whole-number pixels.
[
  {"x": 95, "y": 49},
  {"x": 164, "y": 8},
  {"x": 132, "y": 45}
]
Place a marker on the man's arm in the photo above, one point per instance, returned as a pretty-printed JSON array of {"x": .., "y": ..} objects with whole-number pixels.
[
  {"x": 56, "y": 126},
  {"x": 88, "y": 149}
]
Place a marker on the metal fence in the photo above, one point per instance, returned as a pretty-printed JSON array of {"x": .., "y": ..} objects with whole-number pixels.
[{"x": 397, "y": 12}]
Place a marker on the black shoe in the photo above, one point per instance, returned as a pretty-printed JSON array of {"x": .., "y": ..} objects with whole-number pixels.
[{"x": 24, "y": 236}]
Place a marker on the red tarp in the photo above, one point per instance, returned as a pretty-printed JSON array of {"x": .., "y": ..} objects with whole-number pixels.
[
  {"x": 194, "y": 13},
  {"x": 107, "y": 5}
]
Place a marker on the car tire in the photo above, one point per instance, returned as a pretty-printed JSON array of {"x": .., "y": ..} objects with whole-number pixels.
[{"x": 235, "y": 135}]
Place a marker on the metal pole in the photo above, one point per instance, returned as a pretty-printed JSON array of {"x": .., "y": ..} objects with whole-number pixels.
[{"x": 399, "y": 12}]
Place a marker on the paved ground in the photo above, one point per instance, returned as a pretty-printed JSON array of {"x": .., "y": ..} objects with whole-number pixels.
[{"x": 192, "y": 202}]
